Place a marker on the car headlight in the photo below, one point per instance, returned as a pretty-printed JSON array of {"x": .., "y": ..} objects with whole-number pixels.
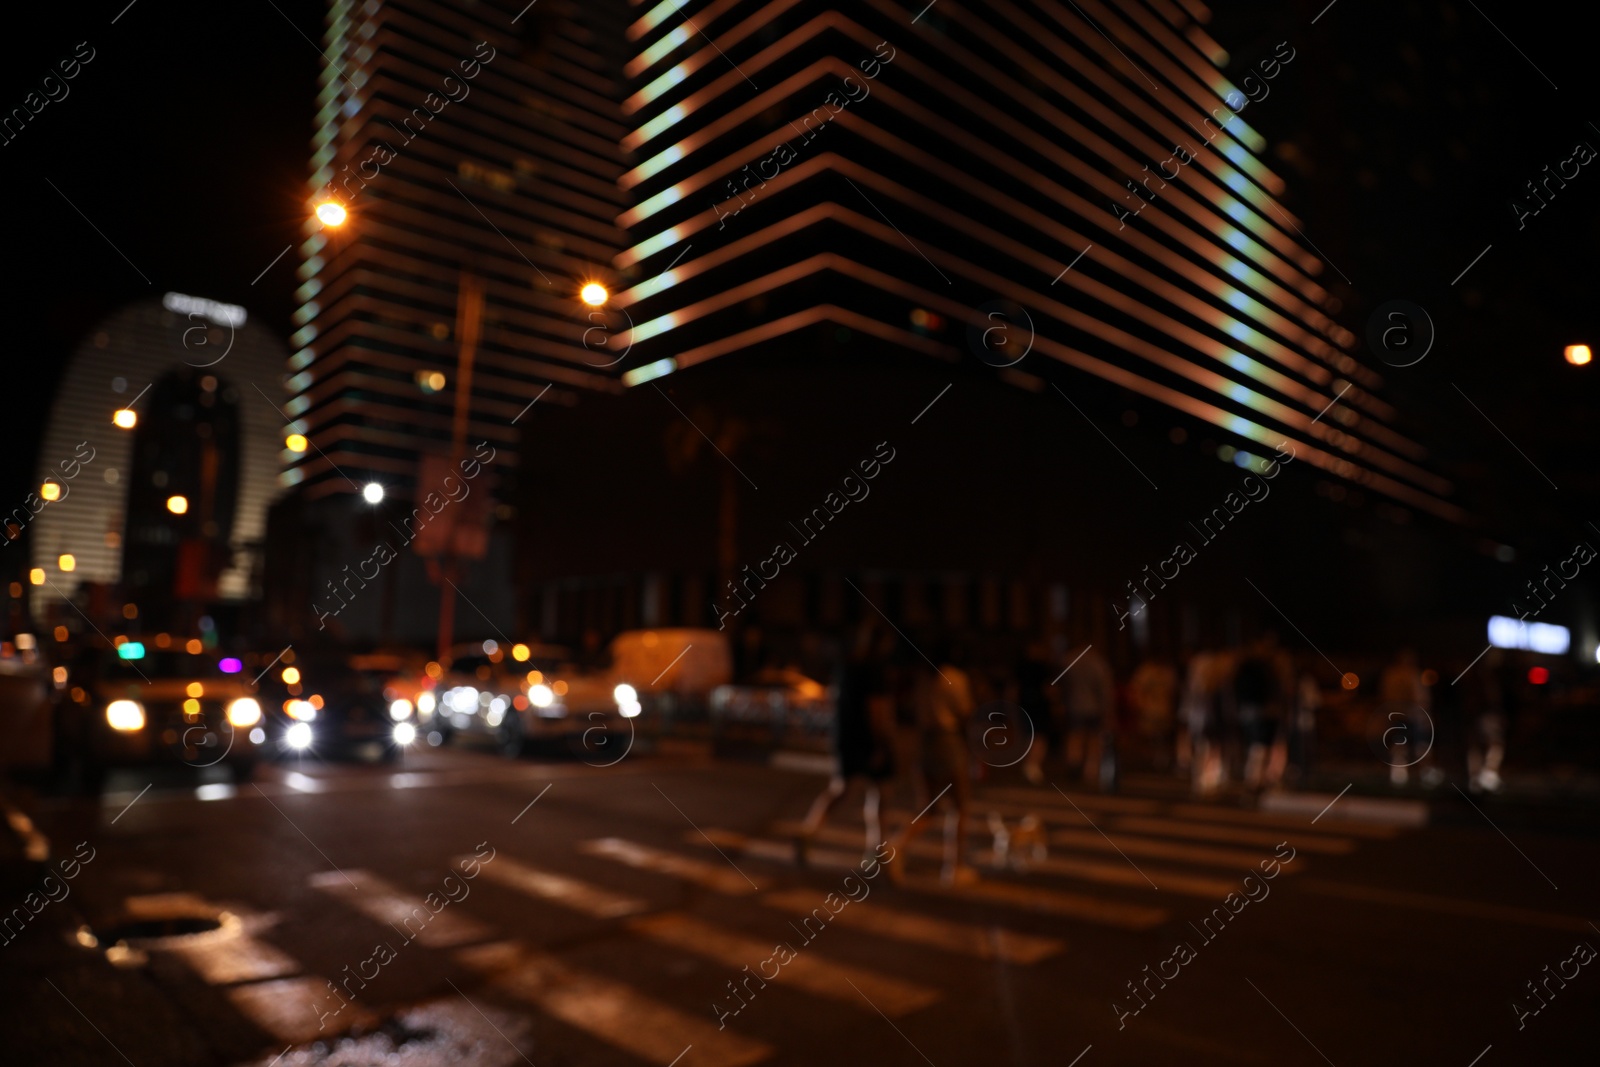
[
  {"x": 540, "y": 696},
  {"x": 299, "y": 735},
  {"x": 404, "y": 733},
  {"x": 463, "y": 700},
  {"x": 303, "y": 710},
  {"x": 400, "y": 709},
  {"x": 425, "y": 703},
  {"x": 625, "y": 694},
  {"x": 125, "y": 715},
  {"x": 244, "y": 712}
]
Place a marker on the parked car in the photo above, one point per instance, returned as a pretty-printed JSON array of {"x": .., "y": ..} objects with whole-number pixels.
[
  {"x": 776, "y": 709},
  {"x": 136, "y": 704},
  {"x": 327, "y": 702}
]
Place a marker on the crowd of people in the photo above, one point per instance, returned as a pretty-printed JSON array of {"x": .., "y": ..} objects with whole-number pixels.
[{"x": 915, "y": 725}]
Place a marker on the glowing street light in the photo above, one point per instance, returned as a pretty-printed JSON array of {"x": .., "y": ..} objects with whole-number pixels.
[
  {"x": 126, "y": 418},
  {"x": 332, "y": 213},
  {"x": 1578, "y": 355},
  {"x": 178, "y": 505},
  {"x": 594, "y": 294},
  {"x": 50, "y": 491},
  {"x": 67, "y": 562},
  {"x": 372, "y": 493},
  {"x": 295, "y": 442},
  {"x": 36, "y": 576}
]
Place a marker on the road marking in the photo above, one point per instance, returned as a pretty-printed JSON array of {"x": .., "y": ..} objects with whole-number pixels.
[
  {"x": 807, "y": 970},
  {"x": 1207, "y": 813},
  {"x": 1471, "y": 909},
  {"x": 1035, "y": 799},
  {"x": 1205, "y": 855},
  {"x": 1244, "y": 835},
  {"x": 1382, "y": 811},
  {"x": 983, "y": 942},
  {"x": 568, "y": 892},
  {"x": 609, "y": 1011},
  {"x": 1102, "y": 833},
  {"x": 1050, "y": 901},
  {"x": 689, "y": 870},
  {"x": 1118, "y": 875},
  {"x": 235, "y": 959},
  {"x": 413, "y": 918},
  {"x": 290, "y": 1008}
]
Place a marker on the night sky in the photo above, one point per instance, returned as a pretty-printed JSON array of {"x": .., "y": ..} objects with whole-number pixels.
[{"x": 1405, "y": 130}]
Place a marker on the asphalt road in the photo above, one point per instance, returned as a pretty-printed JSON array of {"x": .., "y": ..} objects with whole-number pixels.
[{"x": 632, "y": 915}]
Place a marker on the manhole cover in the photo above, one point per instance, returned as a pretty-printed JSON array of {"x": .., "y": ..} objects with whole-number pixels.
[{"x": 145, "y": 931}]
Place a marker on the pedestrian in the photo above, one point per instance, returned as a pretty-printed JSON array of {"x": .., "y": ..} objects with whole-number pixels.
[
  {"x": 1403, "y": 701},
  {"x": 1153, "y": 692},
  {"x": 863, "y": 740},
  {"x": 1033, "y": 696},
  {"x": 1261, "y": 695},
  {"x": 1091, "y": 708},
  {"x": 944, "y": 710}
]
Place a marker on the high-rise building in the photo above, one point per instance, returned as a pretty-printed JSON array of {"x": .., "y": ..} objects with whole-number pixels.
[
  {"x": 475, "y": 150},
  {"x": 1075, "y": 194}
]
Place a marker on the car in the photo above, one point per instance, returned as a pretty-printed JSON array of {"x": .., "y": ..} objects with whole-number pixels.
[
  {"x": 136, "y": 703},
  {"x": 324, "y": 701},
  {"x": 779, "y": 708}
]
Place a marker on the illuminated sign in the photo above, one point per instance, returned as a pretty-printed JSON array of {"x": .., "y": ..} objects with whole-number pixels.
[
  {"x": 221, "y": 314},
  {"x": 130, "y": 650},
  {"x": 1506, "y": 632}
]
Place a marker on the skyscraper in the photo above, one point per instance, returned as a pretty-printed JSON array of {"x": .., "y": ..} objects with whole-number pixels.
[{"x": 476, "y": 150}]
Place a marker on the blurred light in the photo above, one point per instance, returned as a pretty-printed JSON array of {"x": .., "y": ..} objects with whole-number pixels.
[
  {"x": 290, "y": 675},
  {"x": 433, "y": 670},
  {"x": 50, "y": 491},
  {"x": 332, "y": 213},
  {"x": 67, "y": 562},
  {"x": 163, "y": 640},
  {"x": 594, "y": 294},
  {"x": 560, "y": 687},
  {"x": 490, "y": 648},
  {"x": 60, "y": 633},
  {"x": 404, "y": 733},
  {"x": 244, "y": 712},
  {"x": 316, "y": 700},
  {"x": 130, "y": 650},
  {"x": 1350, "y": 680},
  {"x": 649, "y": 372},
  {"x": 193, "y": 646},
  {"x": 372, "y": 493},
  {"x": 430, "y": 381},
  {"x": 178, "y": 505},
  {"x": 630, "y": 709},
  {"x": 519, "y": 652},
  {"x": 296, "y": 442},
  {"x": 194, "y": 689},
  {"x": 425, "y": 703},
  {"x": 125, "y": 715},
  {"x": 1578, "y": 355},
  {"x": 59, "y": 676},
  {"x": 541, "y": 696},
  {"x": 463, "y": 700},
  {"x": 126, "y": 418},
  {"x": 230, "y": 665},
  {"x": 1538, "y": 675},
  {"x": 191, "y": 706},
  {"x": 303, "y": 710},
  {"x": 298, "y": 735},
  {"x": 399, "y": 709},
  {"x": 36, "y": 576},
  {"x": 625, "y": 694},
  {"x": 257, "y": 736},
  {"x": 535, "y": 677},
  {"x": 1506, "y": 632},
  {"x": 130, "y": 611},
  {"x": 1430, "y": 677}
]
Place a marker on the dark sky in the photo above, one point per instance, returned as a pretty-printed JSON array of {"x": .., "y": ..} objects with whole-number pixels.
[{"x": 1405, "y": 129}]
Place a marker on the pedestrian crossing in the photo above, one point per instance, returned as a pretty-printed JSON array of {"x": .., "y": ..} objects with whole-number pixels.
[{"x": 1113, "y": 863}]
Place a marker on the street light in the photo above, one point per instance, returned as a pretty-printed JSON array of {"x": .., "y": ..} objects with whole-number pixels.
[
  {"x": 295, "y": 442},
  {"x": 178, "y": 505},
  {"x": 125, "y": 418},
  {"x": 1578, "y": 355},
  {"x": 372, "y": 493},
  {"x": 67, "y": 562},
  {"x": 332, "y": 213},
  {"x": 594, "y": 294}
]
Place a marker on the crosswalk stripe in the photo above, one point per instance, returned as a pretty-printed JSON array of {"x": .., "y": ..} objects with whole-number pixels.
[
  {"x": 1049, "y": 901},
  {"x": 1133, "y": 845},
  {"x": 410, "y": 917},
  {"x": 806, "y": 970},
  {"x": 984, "y": 942},
  {"x": 718, "y": 878},
  {"x": 291, "y": 1008},
  {"x": 610, "y": 1011},
  {"x": 1207, "y": 813},
  {"x": 224, "y": 956},
  {"x": 568, "y": 892},
  {"x": 1330, "y": 846},
  {"x": 1036, "y": 798},
  {"x": 1106, "y": 872}
]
